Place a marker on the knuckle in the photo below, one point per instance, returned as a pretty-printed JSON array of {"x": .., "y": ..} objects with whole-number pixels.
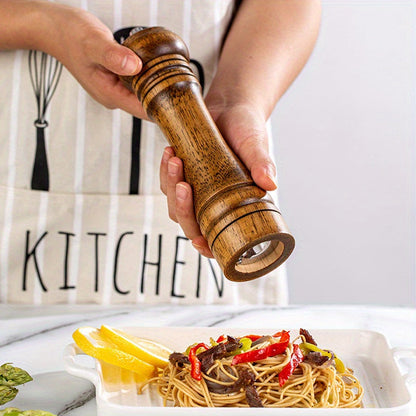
[
  {"x": 106, "y": 101},
  {"x": 93, "y": 36},
  {"x": 253, "y": 140},
  {"x": 109, "y": 105},
  {"x": 103, "y": 100},
  {"x": 110, "y": 56}
]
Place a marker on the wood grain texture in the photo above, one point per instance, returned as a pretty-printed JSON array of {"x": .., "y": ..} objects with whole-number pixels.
[{"x": 233, "y": 213}]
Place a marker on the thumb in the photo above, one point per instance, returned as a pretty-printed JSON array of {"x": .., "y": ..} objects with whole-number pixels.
[{"x": 120, "y": 59}]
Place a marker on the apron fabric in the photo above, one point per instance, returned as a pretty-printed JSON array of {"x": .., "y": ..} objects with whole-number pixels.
[{"x": 99, "y": 232}]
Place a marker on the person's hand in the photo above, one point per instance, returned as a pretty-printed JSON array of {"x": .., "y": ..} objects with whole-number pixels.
[
  {"x": 86, "y": 47},
  {"x": 245, "y": 131}
]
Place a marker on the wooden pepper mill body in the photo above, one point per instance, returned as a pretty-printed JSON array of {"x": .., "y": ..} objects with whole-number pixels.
[{"x": 243, "y": 227}]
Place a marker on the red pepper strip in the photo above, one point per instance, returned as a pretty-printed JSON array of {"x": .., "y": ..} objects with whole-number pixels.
[
  {"x": 262, "y": 353},
  {"x": 195, "y": 363},
  {"x": 252, "y": 337},
  {"x": 221, "y": 338},
  {"x": 284, "y": 336},
  {"x": 289, "y": 368}
]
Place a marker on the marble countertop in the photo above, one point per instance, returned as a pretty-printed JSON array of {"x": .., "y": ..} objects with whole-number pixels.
[{"x": 34, "y": 338}]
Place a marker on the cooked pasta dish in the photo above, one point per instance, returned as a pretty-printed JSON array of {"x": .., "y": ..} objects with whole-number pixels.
[{"x": 257, "y": 371}]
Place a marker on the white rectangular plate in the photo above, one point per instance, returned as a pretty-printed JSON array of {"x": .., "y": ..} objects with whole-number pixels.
[{"x": 366, "y": 352}]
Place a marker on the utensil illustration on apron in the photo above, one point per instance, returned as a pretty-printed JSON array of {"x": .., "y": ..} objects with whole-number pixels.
[{"x": 45, "y": 72}]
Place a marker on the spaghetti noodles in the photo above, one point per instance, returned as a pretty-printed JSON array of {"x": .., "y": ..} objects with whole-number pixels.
[{"x": 267, "y": 371}]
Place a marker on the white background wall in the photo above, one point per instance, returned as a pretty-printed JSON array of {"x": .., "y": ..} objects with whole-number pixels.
[{"x": 345, "y": 147}]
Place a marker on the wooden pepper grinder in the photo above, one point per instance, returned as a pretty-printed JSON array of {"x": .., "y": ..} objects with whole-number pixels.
[{"x": 243, "y": 227}]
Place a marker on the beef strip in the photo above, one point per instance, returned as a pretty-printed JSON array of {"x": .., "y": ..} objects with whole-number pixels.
[
  {"x": 214, "y": 387},
  {"x": 208, "y": 357},
  {"x": 217, "y": 352},
  {"x": 331, "y": 361},
  {"x": 252, "y": 396},
  {"x": 246, "y": 379},
  {"x": 177, "y": 358},
  {"x": 308, "y": 336},
  {"x": 315, "y": 358},
  {"x": 232, "y": 344}
]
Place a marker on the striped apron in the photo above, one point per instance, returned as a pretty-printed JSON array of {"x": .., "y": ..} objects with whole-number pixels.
[{"x": 82, "y": 218}]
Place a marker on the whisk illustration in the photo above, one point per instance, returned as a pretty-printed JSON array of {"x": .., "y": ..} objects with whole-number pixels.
[{"x": 45, "y": 72}]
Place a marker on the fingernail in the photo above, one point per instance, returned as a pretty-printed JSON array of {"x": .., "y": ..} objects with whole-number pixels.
[
  {"x": 173, "y": 168},
  {"x": 166, "y": 155},
  {"x": 203, "y": 250},
  {"x": 271, "y": 175},
  {"x": 129, "y": 64},
  {"x": 181, "y": 192},
  {"x": 199, "y": 248}
]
